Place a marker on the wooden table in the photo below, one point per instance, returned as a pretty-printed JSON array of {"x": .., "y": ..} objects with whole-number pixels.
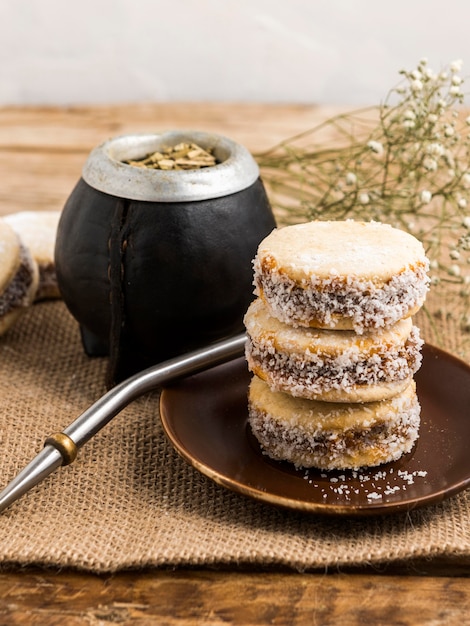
[{"x": 42, "y": 151}]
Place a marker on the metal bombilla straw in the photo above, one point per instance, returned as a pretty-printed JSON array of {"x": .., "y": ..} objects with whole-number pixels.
[{"x": 61, "y": 448}]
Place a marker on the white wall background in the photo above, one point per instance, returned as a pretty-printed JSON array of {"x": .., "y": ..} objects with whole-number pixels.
[{"x": 303, "y": 51}]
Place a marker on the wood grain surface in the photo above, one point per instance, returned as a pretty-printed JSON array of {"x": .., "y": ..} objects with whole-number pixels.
[
  {"x": 216, "y": 598},
  {"x": 42, "y": 151}
]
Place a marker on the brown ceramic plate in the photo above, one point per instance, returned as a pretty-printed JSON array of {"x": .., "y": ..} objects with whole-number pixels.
[{"x": 205, "y": 418}]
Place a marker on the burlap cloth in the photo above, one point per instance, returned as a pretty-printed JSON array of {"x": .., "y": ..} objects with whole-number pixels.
[{"x": 130, "y": 501}]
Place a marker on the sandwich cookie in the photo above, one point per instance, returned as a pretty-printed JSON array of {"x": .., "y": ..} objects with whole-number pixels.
[
  {"x": 18, "y": 277},
  {"x": 329, "y": 365},
  {"x": 328, "y": 435},
  {"x": 37, "y": 231},
  {"x": 343, "y": 275}
]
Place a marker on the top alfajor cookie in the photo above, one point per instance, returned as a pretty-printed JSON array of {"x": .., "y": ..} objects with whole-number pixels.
[{"x": 343, "y": 275}]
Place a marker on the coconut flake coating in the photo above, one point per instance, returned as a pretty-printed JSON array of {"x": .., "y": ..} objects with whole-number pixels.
[
  {"x": 352, "y": 275},
  {"x": 333, "y": 304},
  {"x": 312, "y": 438},
  {"x": 37, "y": 231},
  {"x": 335, "y": 366},
  {"x": 20, "y": 291}
]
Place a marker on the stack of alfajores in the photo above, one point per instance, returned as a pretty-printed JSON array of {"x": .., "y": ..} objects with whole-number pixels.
[{"x": 332, "y": 345}]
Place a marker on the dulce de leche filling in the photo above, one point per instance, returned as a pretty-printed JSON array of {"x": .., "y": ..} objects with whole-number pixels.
[
  {"x": 331, "y": 365},
  {"x": 18, "y": 293},
  {"x": 336, "y": 302},
  {"x": 346, "y": 438}
]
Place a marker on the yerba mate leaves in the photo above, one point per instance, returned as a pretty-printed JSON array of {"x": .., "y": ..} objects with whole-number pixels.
[{"x": 183, "y": 156}]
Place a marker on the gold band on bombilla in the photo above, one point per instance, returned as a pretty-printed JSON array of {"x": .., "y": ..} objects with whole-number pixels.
[{"x": 65, "y": 445}]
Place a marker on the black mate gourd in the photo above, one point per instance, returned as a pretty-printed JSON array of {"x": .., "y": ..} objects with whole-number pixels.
[{"x": 155, "y": 263}]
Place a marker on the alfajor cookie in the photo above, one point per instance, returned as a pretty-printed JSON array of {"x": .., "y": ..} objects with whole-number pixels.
[
  {"x": 37, "y": 230},
  {"x": 328, "y": 365},
  {"x": 330, "y": 436},
  {"x": 18, "y": 277},
  {"x": 342, "y": 275}
]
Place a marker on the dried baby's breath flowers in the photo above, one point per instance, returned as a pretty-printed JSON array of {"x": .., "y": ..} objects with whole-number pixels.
[
  {"x": 405, "y": 162},
  {"x": 183, "y": 156}
]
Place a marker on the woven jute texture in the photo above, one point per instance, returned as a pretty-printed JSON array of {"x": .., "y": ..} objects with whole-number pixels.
[{"x": 130, "y": 501}]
